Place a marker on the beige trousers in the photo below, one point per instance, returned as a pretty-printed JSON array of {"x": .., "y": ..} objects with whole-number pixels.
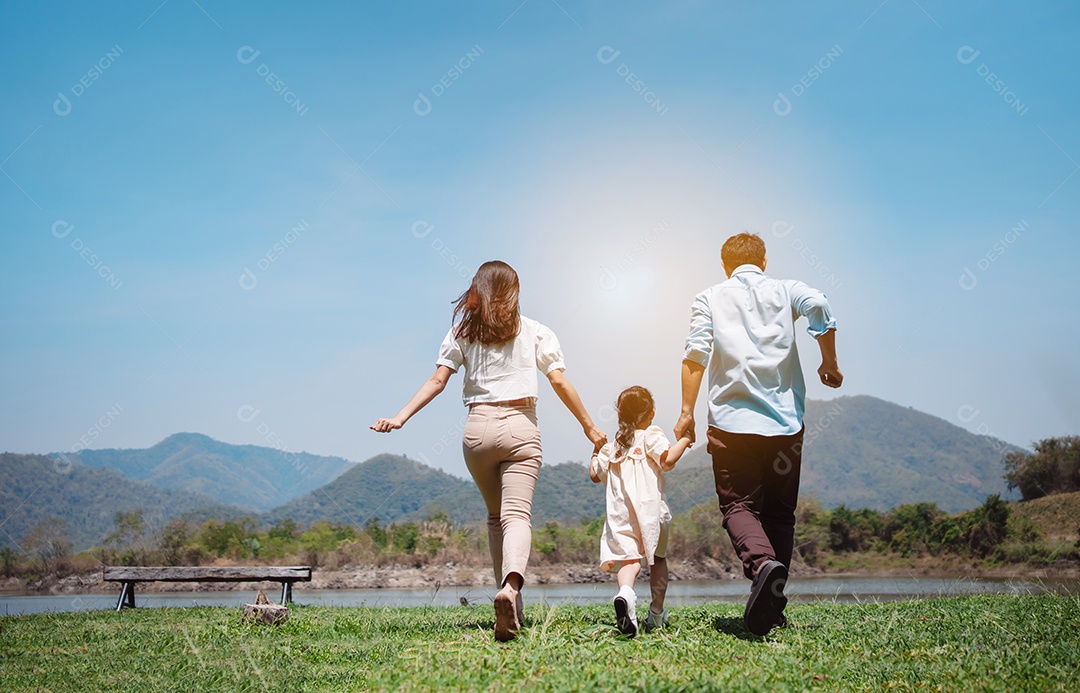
[{"x": 502, "y": 451}]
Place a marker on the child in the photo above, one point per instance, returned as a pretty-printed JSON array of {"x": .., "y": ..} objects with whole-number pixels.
[{"x": 636, "y": 526}]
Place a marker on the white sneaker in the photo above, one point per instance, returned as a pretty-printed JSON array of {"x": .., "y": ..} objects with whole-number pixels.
[
  {"x": 626, "y": 611},
  {"x": 654, "y": 620}
]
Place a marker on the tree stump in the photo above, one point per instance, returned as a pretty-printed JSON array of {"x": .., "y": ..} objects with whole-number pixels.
[{"x": 262, "y": 611}]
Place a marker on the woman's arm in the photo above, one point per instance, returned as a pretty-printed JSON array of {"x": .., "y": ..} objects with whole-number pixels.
[
  {"x": 569, "y": 396},
  {"x": 427, "y": 392}
]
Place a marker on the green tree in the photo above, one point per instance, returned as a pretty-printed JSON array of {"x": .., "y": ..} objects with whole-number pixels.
[
  {"x": 7, "y": 561},
  {"x": 853, "y": 530},
  {"x": 322, "y": 538},
  {"x": 126, "y": 540},
  {"x": 376, "y": 531},
  {"x": 404, "y": 537},
  {"x": 1054, "y": 468},
  {"x": 174, "y": 538},
  {"x": 226, "y": 538},
  {"x": 988, "y": 526},
  {"x": 909, "y": 529},
  {"x": 284, "y": 528}
]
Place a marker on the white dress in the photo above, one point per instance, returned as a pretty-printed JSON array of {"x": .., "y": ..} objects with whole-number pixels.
[{"x": 637, "y": 510}]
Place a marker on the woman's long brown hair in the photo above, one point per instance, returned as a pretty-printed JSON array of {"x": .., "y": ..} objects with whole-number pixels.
[{"x": 489, "y": 307}]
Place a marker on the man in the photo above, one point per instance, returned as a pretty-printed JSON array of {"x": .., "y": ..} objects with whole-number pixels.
[{"x": 743, "y": 330}]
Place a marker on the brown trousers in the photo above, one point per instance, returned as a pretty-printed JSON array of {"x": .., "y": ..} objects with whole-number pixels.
[
  {"x": 502, "y": 451},
  {"x": 757, "y": 482}
]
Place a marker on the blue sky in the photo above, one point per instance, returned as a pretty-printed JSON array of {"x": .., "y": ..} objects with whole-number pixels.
[{"x": 249, "y": 219}]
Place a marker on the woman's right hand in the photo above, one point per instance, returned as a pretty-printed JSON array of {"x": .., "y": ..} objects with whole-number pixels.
[
  {"x": 597, "y": 437},
  {"x": 387, "y": 425}
]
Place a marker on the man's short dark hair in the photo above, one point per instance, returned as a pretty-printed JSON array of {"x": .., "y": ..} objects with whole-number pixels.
[{"x": 743, "y": 249}]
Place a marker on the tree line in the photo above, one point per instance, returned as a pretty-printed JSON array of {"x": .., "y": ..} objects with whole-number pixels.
[{"x": 989, "y": 533}]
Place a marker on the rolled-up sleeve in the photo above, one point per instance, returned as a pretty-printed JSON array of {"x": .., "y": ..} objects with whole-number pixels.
[
  {"x": 699, "y": 342},
  {"x": 549, "y": 356},
  {"x": 813, "y": 304},
  {"x": 600, "y": 463},
  {"x": 450, "y": 353}
]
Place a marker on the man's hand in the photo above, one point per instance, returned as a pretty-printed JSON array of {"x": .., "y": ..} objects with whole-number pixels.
[
  {"x": 685, "y": 427},
  {"x": 830, "y": 375},
  {"x": 829, "y": 372},
  {"x": 692, "y": 373}
]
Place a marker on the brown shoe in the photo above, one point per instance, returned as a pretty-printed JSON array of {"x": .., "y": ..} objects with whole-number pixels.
[{"x": 507, "y": 622}]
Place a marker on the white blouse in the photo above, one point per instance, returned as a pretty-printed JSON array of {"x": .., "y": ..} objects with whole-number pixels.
[{"x": 503, "y": 372}]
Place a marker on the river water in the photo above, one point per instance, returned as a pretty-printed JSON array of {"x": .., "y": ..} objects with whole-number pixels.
[{"x": 680, "y": 593}]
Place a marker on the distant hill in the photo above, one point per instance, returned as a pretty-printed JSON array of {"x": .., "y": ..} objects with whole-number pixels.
[
  {"x": 1056, "y": 515},
  {"x": 250, "y": 476},
  {"x": 864, "y": 452},
  {"x": 388, "y": 487},
  {"x": 394, "y": 488},
  {"x": 34, "y": 488},
  {"x": 860, "y": 452}
]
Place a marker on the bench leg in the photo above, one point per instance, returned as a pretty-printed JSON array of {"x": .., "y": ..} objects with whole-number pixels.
[
  {"x": 127, "y": 596},
  {"x": 286, "y": 593}
]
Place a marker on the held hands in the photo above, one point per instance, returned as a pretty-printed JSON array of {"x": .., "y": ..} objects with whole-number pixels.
[
  {"x": 597, "y": 437},
  {"x": 830, "y": 375},
  {"x": 684, "y": 428},
  {"x": 387, "y": 425}
]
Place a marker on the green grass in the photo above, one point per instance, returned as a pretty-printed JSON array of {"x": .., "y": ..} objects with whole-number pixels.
[{"x": 964, "y": 643}]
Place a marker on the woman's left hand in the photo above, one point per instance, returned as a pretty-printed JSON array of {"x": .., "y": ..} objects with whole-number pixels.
[{"x": 387, "y": 425}]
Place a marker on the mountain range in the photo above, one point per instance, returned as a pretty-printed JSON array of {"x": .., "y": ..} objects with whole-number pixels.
[
  {"x": 249, "y": 476},
  {"x": 34, "y": 488},
  {"x": 860, "y": 452}
]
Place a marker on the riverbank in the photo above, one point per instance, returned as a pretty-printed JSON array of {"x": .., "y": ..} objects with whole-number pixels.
[
  {"x": 455, "y": 575},
  {"x": 379, "y": 577}
]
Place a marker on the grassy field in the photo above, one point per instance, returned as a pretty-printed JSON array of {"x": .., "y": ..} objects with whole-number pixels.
[{"x": 964, "y": 643}]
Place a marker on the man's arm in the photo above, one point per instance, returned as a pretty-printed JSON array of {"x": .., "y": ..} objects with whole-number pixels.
[
  {"x": 829, "y": 371},
  {"x": 692, "y": 373},
  {"x": 699, "y": 346}
]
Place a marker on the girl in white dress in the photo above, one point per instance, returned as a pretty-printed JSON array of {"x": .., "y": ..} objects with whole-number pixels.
[{"x": 636, "y": 525}]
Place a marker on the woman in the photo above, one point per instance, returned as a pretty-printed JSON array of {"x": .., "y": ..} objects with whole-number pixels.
[{"x": 501, "y": 351}]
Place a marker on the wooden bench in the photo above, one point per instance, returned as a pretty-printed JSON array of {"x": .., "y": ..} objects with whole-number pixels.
[{"x": 129, "y": 575}]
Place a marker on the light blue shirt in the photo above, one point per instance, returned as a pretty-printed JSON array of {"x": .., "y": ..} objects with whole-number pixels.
[{"x": 743, "y": 330}]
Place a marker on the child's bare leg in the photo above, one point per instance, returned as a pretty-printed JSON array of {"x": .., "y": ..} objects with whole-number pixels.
[
  {"x": 658, "y": 581},
  {"x": 628, "y": 573}
]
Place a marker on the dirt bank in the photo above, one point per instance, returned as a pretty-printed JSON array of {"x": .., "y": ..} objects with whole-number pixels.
[
  {"x": 378, "y": 577},
  {"x": 456, "y": 575}
]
